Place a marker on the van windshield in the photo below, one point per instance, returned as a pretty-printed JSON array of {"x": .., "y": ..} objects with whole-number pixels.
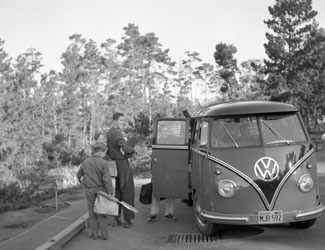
[
  {"x": 238, "y": 132},
  {"x": 270, "y": 129},
  {"x": 281, "y": 129}
]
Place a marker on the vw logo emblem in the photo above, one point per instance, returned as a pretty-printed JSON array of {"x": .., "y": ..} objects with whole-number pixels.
[{"x": 266, "y": 169}]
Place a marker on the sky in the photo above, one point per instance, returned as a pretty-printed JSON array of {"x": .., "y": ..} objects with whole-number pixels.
[{"x": 180, "y": 25}]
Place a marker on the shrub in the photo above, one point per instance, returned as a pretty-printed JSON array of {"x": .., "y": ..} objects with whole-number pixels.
[
  {"x": 65, "y": 176},
  {"x": 141, "y": 160},
  {"x": 13, "y": 197},
  {"x": 6, "y": 176}
]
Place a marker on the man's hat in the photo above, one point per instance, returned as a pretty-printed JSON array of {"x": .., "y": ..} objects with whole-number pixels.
[{"x": 97, "y": 147}]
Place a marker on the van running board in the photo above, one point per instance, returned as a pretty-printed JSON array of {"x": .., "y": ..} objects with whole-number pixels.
[{"x": 190, "y": 238}]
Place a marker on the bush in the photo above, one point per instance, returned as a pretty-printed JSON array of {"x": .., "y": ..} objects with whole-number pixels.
[
  {"x": 66, "y": 177},
  {"x": 141, "y": 161},
  {"x": 11, "y": 192},
  {"x": 6, "y": 176},
  {"x": 13, "y": 197},
  {"x": 56, "y": 153}
]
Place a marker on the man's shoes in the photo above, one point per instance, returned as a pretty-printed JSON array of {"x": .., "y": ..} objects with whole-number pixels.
[
  {"x": 117, "y": 222},
  {"x": 170, "y": 217},
  {"x": 128, "y": 223},
  {"x": 93, "y": 236},
  {"x": 152, "y": 218}
]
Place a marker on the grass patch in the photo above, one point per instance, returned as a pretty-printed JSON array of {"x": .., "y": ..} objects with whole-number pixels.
[
  {"x": 4, "y": 239},
  {"x": 44, "y": 210},
  {"x": 72, "y": 190},
  {"x": 75, "y": 197},
  {"x": 50, "y": 208},
  {"x": 16, "y": 224}
]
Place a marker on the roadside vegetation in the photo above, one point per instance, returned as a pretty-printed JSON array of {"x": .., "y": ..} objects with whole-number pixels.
[{"x": 48, "y": 120}]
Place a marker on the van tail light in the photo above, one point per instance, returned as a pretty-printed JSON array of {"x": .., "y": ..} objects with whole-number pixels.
[
  {"x": 305, "y": 183},
  {"x": 227, "y": 188}
]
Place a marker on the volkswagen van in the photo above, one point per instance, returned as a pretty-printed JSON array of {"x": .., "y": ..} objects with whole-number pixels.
[{"x": 243, "y": 163}]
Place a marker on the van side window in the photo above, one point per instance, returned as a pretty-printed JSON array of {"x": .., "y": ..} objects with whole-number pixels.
[
  {"x": 204, "y": 133},
  {"x": 200, "y": 137},
  {"x": 196, "y": 133},
  {"x": 171, "y": 132}
]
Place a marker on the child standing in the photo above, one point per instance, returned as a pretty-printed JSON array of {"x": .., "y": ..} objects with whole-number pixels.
[{"x": 95, "y": 176}]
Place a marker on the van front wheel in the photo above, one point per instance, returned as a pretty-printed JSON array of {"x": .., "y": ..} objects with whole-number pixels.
[
  {"x": 303, "y": 224},
  {"x": 206, "y": 227}
]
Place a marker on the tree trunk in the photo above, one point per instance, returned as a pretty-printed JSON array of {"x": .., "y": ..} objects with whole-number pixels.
[
  {"x": 55, "y": 119},
  {"x": 42, "y": 121},
  {"x": 91, "y": 132},
  {"x": 84, "y": 133}
]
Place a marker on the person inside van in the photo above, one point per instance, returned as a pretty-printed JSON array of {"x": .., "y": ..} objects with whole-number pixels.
[
  {"x": 244, "y": 132},
  {"x": 167, "y": 136},
  {"x": 248, "y": 134},
  {"x": 219, "y": 135},
  {"x": 163, "y": 137}
]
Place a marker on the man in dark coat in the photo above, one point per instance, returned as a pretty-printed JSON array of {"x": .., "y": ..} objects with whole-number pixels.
[
  {"x": 95, "y": 176},
  {"x": 120, "y": 150}
]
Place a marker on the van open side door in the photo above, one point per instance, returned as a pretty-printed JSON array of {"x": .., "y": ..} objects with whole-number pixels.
[{"x": 170, "y": 155}]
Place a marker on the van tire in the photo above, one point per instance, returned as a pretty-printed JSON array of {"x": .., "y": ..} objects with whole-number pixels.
[
  {"x": 303, "y": 224},
  {"x": 205, "y": 227}
]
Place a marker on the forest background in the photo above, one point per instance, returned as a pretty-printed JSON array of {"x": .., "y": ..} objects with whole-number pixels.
[{"x": 48, "y": 120}]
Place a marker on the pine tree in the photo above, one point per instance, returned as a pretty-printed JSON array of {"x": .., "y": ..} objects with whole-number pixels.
[
  {"x": 291, "y": 24},
  {"x": 23, "y": 115},
  {"x": 224, "y": 57}
]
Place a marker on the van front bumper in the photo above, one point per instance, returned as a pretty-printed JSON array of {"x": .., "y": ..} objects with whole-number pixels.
[{"x": 251, "y": 219}]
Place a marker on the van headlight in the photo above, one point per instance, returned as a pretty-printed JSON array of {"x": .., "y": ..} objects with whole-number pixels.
[
  {"x": 305, "y": 183},
  {"x": 227, "y": 188}
]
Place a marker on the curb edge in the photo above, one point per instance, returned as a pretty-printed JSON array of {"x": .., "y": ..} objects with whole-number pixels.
[{"x": 56, "y": 242}]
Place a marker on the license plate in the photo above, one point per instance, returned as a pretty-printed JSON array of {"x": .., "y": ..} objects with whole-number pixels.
[{"x": 270, "y": 217}]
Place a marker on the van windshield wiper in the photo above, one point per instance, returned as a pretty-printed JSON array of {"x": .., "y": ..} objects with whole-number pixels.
[
  {"x": 279, "y": 141},
  {"x": 232, "y": 138},
  {"x": 277, "y": 134}
]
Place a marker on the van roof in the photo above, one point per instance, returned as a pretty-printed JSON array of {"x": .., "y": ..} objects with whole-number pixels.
[{"x": 243, "y": 107}]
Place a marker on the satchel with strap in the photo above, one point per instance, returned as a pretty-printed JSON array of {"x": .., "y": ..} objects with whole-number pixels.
[
  {"x": 111, "y": 163},
  {"x": 105, "y": 206}
]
